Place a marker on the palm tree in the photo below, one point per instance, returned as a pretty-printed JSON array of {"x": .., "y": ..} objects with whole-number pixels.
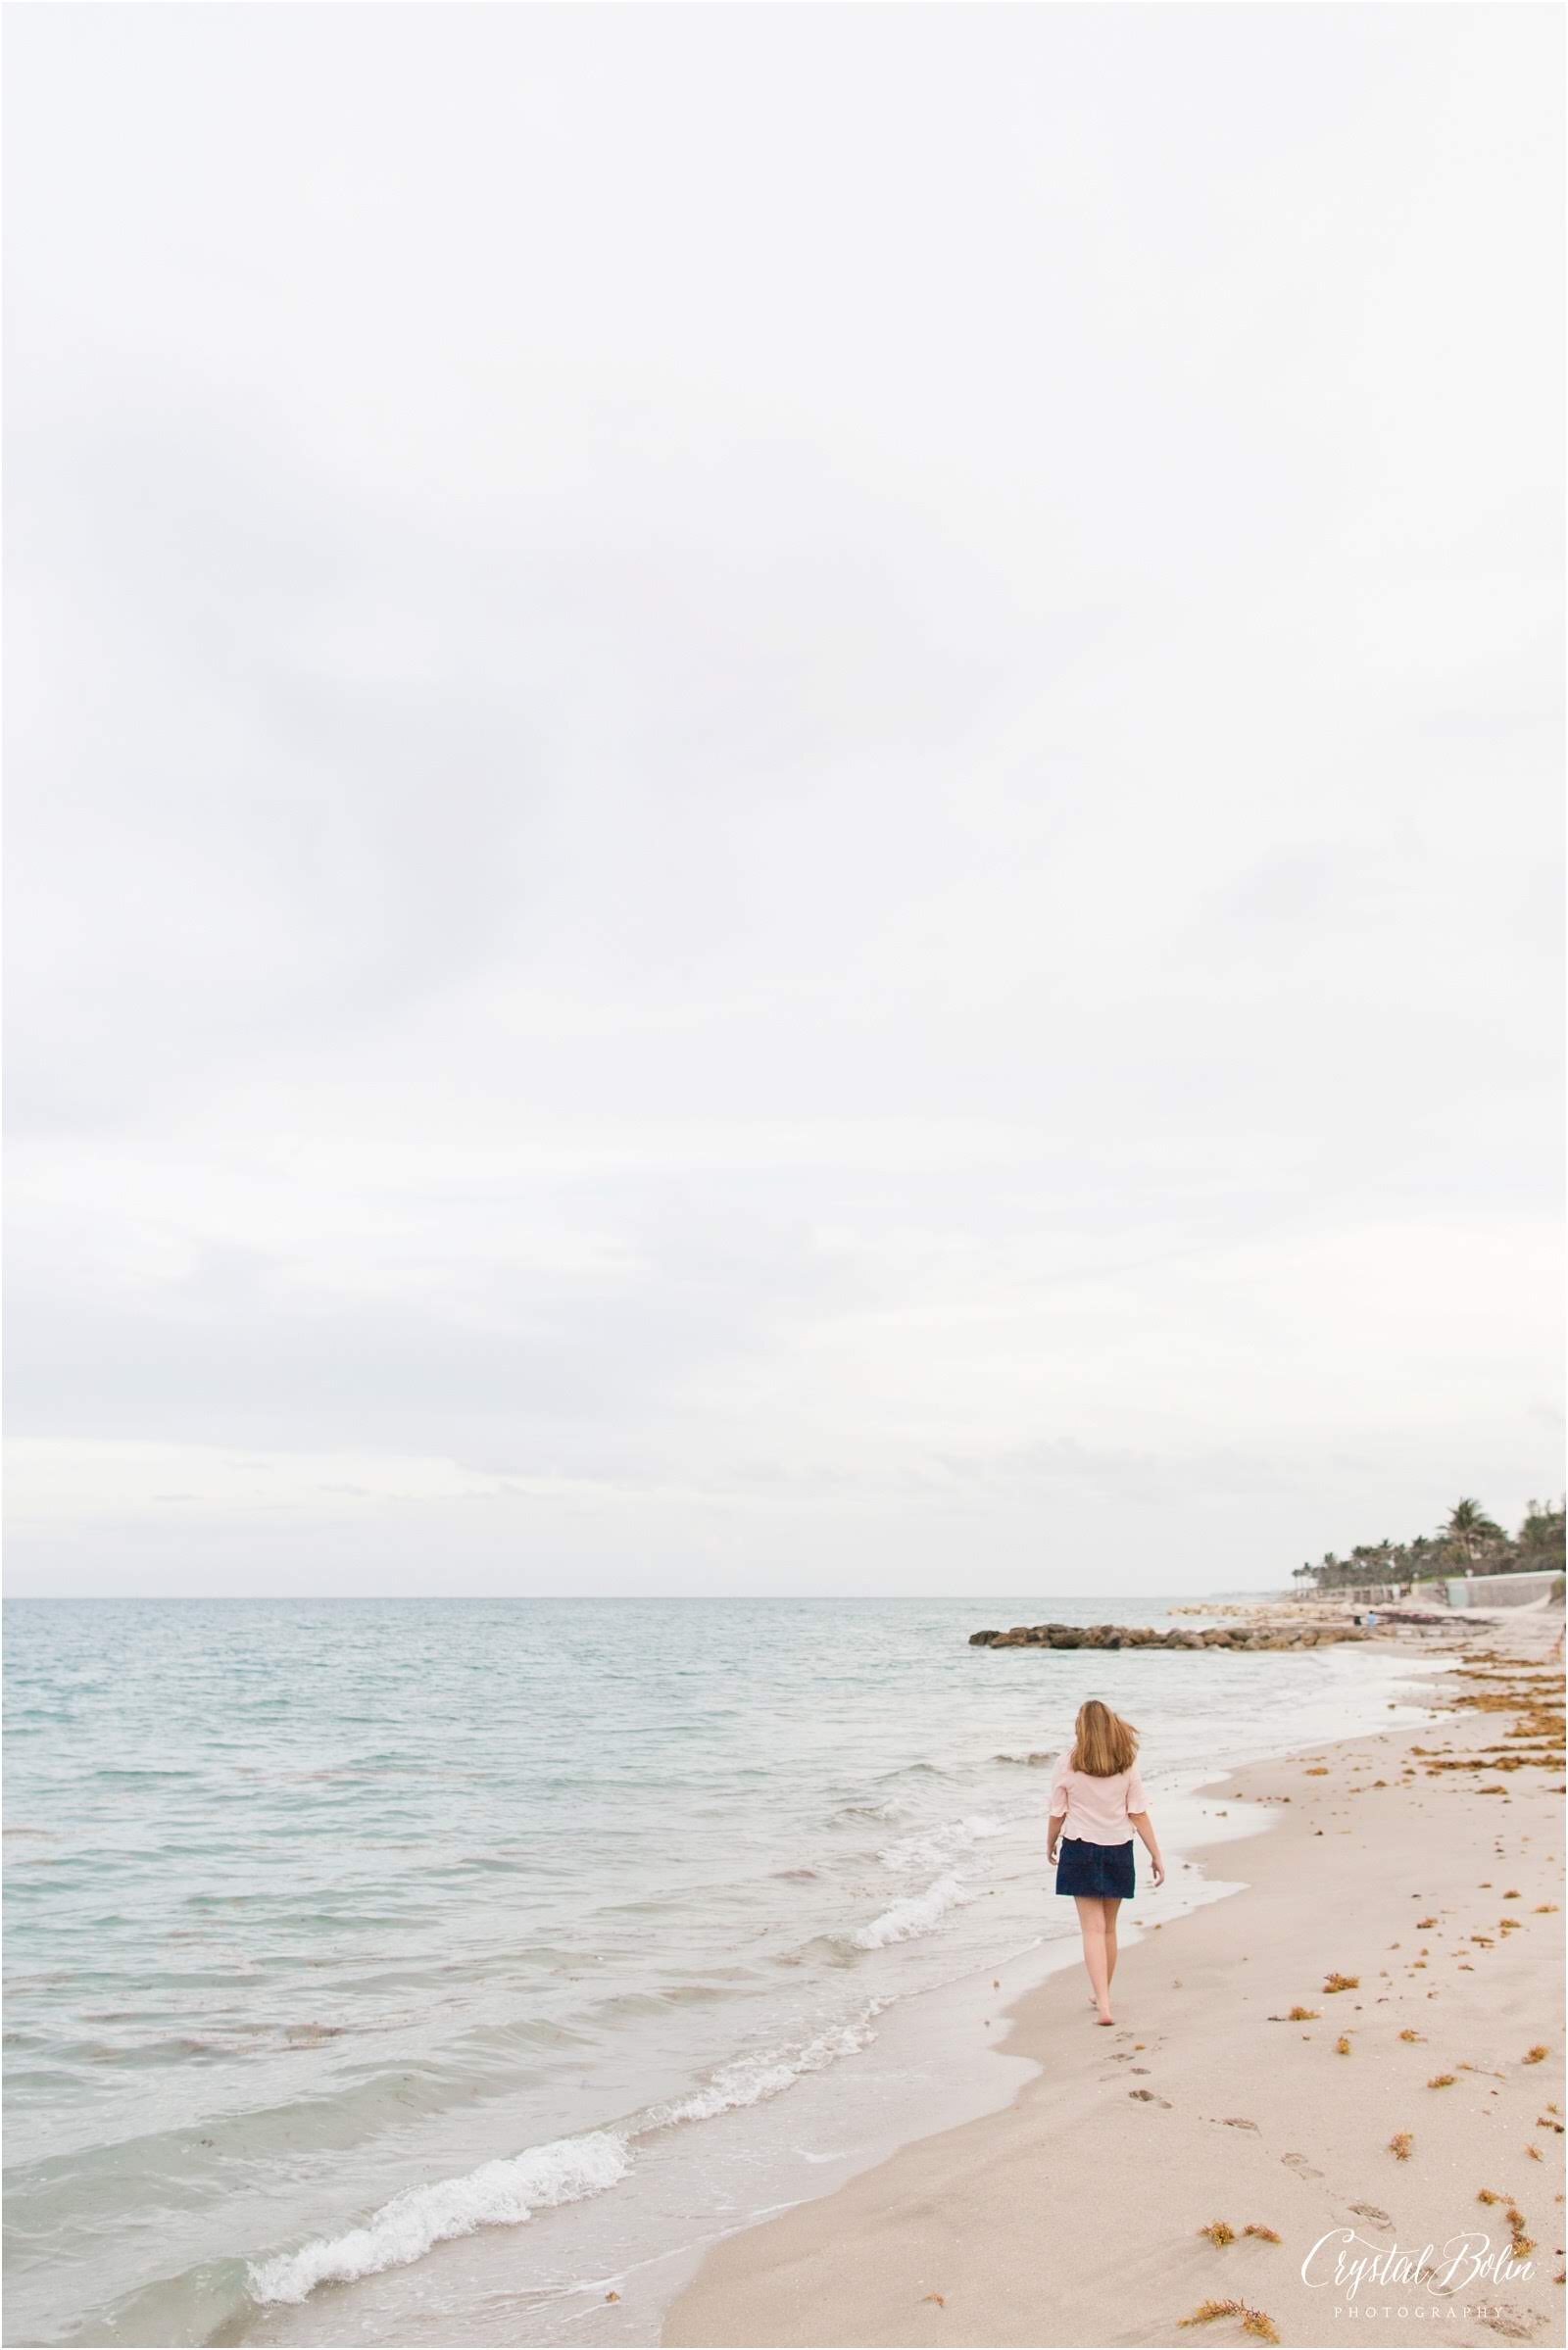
[{"x": 1469, "y": 1528}]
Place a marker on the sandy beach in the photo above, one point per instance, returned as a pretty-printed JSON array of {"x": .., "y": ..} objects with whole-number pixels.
[{"x": 1415, "y": 2113}]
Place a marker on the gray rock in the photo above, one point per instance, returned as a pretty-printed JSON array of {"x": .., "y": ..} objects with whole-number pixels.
[{"x": 1252, "y": 1637}]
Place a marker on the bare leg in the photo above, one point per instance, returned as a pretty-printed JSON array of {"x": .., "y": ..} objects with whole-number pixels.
[
  {"x": 1092, "y": 1922},
  {"x": 1112, "y": 1903}
]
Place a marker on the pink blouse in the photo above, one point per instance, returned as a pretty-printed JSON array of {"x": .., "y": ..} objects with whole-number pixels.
[{"x": 1096, "y": 1809}]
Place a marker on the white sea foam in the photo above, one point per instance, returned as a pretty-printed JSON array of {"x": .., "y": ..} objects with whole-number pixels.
[
  {"x": 934, "y": 1848},
  {"x": 497, "y": 2195},
  {"x": 917, "y": 1914},
  {"x": 752, "y": 2078}
]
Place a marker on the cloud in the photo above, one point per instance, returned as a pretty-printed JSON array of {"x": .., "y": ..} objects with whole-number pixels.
[{"x": 779, "y": 789}]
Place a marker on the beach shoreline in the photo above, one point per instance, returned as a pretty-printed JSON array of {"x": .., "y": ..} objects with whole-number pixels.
[{"x": 1199, "y": 2107}]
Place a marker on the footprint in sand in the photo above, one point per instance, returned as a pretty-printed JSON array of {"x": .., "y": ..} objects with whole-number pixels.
[
  {"x": 1148, "y": 2097},
  {"x": 1513, "y": 2324},
  {"x": 1370, "y": 2210},
  {"x": 1301, "y": 2166},
  {"x": 1238, "y": 2122}
]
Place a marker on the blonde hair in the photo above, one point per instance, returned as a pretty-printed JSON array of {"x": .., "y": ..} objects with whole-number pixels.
[{"x": 1102, "y": 1743}]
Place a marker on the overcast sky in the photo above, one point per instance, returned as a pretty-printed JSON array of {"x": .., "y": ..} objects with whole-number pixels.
[{"x": 782, "y": 792}]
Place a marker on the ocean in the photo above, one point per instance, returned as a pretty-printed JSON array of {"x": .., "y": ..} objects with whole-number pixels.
[{"x": 419, "y": 1971}]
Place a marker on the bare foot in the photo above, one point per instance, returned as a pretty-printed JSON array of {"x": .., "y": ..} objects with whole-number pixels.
[{"x": 1105, "y": 2017}]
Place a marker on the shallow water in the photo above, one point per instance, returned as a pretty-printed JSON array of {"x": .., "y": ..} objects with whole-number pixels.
[{"x": 338, "y": 1931}]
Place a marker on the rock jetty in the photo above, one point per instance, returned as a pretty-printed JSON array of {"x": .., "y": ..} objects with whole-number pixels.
[{"x": 1133, "y": 1635}]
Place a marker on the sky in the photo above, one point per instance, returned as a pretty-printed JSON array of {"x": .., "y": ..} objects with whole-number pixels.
[{"x": 783, "y": 793}]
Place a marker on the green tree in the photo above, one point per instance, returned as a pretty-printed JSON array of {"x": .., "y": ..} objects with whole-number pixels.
[
  {"x": 1540, "y": 1535},
  {"x": 1469, "y": 1528}
]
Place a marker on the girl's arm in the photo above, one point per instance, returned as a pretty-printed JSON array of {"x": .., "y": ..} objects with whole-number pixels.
[
  {"x": 1059, "y": 1802},
  {"x": 1145, "y": 1828}
]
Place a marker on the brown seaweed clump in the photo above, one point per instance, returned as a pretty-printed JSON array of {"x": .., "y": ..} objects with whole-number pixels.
[{"x": 1255, "y": 2322}]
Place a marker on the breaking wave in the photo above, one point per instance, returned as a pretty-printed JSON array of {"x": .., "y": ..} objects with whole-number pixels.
[
  {"x": 934, "y": 1848},
  {"x": 917, "y": 1914},
  {"x": 753, "y": 2079},
  {"x": 499, "y": 2194}
]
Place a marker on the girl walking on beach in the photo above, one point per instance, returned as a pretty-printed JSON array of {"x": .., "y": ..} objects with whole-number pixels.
[{"x": 1096, "y": 1801}]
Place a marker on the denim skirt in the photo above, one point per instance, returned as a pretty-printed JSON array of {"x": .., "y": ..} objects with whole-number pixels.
[{"x": 1106, "y": 1870}]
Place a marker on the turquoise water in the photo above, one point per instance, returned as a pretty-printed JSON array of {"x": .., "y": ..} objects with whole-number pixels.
[{"x": 339, "y": 1930}]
